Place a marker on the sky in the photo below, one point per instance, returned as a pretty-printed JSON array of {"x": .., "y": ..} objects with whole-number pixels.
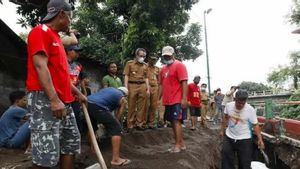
[{"x": 246, "y": 39}]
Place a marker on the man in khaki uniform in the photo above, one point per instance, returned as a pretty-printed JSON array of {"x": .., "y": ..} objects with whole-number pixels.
[
  {"x": 205, "y": 104},
  {"x": 136, "y": 81},
  {"x": 154, "y": 90}
]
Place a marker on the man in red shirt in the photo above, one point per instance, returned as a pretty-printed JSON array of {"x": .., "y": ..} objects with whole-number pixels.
[
  {"x": 173, "y": 82},
  {"x": 194, "y": 101},
  {"x": 54, "y": 133}
]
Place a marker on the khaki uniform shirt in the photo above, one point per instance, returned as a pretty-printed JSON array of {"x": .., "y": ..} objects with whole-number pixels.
[
  {"x": 204, "y": 98},
  {"x": 136, "y": 72},
  {"x": 153, "y": 75}
]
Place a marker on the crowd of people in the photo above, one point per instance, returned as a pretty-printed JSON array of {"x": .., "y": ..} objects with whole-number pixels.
[{"x": 57, "y": 86}]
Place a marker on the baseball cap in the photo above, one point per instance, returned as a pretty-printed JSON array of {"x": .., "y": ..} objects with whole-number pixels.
[
  {"x": 74, "y": 47},
  {"x": 167, "y": 50},
  {"x": 54, "y": 7},
  {"x": 124, "y": 90}
]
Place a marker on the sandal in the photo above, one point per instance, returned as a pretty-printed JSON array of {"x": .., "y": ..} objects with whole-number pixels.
[
  {"x": 125, "y": 162},
  {"x": 183, "y": 148},
  {"x": 174, "y": 150},
  {"x": 193, "y": 128}
]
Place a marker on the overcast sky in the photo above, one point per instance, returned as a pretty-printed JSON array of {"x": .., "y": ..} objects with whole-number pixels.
[{"x": 246, "y": 39}]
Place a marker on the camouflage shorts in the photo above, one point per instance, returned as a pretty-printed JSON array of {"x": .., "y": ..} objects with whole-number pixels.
[{"x": 50, "y": 136}]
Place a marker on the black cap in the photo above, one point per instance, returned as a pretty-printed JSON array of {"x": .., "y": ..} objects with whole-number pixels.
[
  {"x": 54, "y": 7},
  {"x": 74, "y": 47}
]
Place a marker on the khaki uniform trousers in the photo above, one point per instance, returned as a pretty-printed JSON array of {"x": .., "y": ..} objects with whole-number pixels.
[
  {"x": 137, "y": 100},
  {"x": 204, "y": 110},
  {"x": 153, "y": 104}
]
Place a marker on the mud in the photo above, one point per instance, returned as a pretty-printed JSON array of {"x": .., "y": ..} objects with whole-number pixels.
[{"x": 146, "y": 149}]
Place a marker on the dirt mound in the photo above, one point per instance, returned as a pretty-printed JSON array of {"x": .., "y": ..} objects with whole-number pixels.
[{"x": 146, "y": 149}]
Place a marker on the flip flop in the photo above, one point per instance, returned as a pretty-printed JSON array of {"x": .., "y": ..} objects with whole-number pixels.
[
  {"x": 174, "y": 150},
  {"x": 193, "y": 128},
  {"x": 125, "y": 162},
  {"x": 183, "y": 148}
]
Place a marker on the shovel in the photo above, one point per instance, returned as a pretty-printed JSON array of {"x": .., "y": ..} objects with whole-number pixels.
[
  {"x": 94, "y": 142},
  {"x": 266, "y": 158}
]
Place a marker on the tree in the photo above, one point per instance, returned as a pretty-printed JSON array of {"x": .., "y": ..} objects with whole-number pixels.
[
  {"x": 285, "y": 73},
  {"x": 23, "y": 36},
  {"x": 292, "y": 111},
  {"x": 294, "y": 16},
  {"x": 32, "y": 11},
  {"x": 113, "y": 29},
  {"x": 253, "y": 86}
]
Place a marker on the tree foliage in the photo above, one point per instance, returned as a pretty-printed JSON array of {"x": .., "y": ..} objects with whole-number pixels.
[
  {"x": 111, "y": 30},
  {"x": 292, "y": 111},
  {"x": 23, "y": 36},
  {"x": 116, "y": 28},
  {"x": 253, "y": 86},
  {"x": 285, "y": 73},
  {"x": 294, "y": 16},
  {"x": 32, "y": 11}
]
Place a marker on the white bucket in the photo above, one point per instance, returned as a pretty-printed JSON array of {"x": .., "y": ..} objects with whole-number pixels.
[{"x": 258, "y": 165}]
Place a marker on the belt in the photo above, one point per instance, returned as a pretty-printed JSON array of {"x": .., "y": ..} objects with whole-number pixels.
[{"x": 136, "y": 82}]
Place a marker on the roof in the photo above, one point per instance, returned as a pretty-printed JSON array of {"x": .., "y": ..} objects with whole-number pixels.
[
  {"x": 13, "y": 52},
  {"x": 15, "y": 40}
]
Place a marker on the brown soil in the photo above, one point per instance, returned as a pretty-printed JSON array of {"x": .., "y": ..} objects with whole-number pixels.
[{"x": 147, "y": 150}]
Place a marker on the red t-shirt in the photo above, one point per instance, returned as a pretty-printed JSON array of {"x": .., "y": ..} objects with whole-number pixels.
[
  {"x": 170, "y": 79},
  {"x": 43, "y": 39},
  {"x": 194, "y": 95}
]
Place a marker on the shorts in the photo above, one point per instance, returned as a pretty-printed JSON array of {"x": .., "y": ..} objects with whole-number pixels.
[
  {"x": 175, "y": 112},
  {"x": 105, "y": 117},
  {"x": 50, "y": 136},
  {"x": 195, "y": 111}
]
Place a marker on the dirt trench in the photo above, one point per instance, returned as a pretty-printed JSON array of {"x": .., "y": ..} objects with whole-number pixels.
[{"x": 147, "y": 150}]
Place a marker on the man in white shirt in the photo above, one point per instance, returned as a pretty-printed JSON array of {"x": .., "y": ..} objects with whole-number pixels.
[{"x": 239, "y": 120}]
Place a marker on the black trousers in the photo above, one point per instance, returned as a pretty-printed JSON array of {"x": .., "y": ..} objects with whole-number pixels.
[
  {"x": 243, "y": 149},
  {"x": 78, "y": 115}
]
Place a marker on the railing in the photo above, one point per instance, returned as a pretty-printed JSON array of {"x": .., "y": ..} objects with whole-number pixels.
[
  {"x": 270, "y": 92},
  {"x": 282, "y": 129}
]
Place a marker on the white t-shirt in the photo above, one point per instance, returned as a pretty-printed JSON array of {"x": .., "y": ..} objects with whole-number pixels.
[{"x": 240, "y": 121}]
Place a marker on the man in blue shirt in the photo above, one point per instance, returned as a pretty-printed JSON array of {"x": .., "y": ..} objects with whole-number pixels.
[
  {"x": 13, "y": 133},
  {"x": 100, "y": 107}
]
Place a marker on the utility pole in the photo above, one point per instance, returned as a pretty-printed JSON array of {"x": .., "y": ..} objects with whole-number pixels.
[{"x": 206, "y": 49}]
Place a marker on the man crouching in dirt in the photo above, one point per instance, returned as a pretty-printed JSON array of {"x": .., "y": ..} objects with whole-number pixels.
[
  {"x": 100, "y": 107},
  {"x": 239, "y": 118},
  {"x": 54, "y": 133},
  {"x": 173, "y": 82}
]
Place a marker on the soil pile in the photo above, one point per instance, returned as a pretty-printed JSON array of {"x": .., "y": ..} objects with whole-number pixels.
[{"x": 146, "y": 149}]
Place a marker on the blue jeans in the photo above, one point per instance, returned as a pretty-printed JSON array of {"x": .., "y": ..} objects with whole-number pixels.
[{"x": 21, "y": 136}]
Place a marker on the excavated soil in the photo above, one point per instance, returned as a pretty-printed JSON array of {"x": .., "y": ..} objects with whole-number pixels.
[{"x": 147, "y": 150}]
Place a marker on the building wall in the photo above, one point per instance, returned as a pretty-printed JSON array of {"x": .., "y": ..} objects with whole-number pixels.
[{"x": 8, "y": 83}]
